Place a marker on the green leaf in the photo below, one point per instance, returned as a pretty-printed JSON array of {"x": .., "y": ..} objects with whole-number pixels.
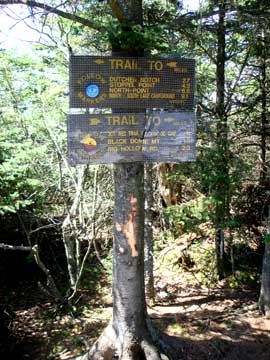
[{"x": 266, "y": 239}]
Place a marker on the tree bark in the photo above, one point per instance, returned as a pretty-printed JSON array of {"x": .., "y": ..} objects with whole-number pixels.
[
  {"x": 264, "y": 300},
  {"x": 264, "y": 118},
  {"x": 70, "y": 241},
  {"x": 129, "y": 334},
  {"x": 222, "y": 182},
  {"x": 129, "y": 311},
  {"x": 148, "y": 233}
]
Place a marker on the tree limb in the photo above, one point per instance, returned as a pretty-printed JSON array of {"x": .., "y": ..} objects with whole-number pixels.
[
  {"x": 123, "y": 10},
  {"x": 54, "y": 10},
  {"x": 13, "y": 247}
]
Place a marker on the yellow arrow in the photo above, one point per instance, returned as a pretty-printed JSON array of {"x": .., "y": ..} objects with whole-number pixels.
[
  {"x": 172, "y": 64},
  {"x": 94, "y": 121},
  {"x": 99, "y": 61}
]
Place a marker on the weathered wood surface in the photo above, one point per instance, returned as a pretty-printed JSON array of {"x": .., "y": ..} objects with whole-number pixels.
[
  {"x": 133, "y": 82},
  {"x": 116, "y": 138}
]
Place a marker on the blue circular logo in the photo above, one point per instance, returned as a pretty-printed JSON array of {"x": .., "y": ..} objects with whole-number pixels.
[{"x": 92, "y": 90}]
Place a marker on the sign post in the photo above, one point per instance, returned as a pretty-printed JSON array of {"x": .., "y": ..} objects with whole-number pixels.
[{"x": 131, "y": 130}]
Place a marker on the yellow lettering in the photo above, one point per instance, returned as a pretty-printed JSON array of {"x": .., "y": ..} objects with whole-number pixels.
[
  {"x": 153, "y": 148},
  {"x": 138, "y": 141},
  {"x": 117, "y": 141},
  {"x": 131, "y": 64},
  {"x": 134, "y": 133},
  {"x": 155, "y": 65},
  {"x": 116, "y": 120},
  {"x": 124, "y": 120},
  {"x": 121, "y": 120},
  {"x": 122, "y": 133},
  {"x": 123, "y": 64},
  {"x": 112, "y": 149}
]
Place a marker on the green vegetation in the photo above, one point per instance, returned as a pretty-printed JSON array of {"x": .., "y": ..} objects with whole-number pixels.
[
  {"x": 216, "y": 232},
  {"x": 37, "y": 183}
]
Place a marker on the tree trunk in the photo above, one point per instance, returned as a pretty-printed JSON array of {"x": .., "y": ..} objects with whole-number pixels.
[
  {"x": 264, "y": 117},
  {"x": 129, "y": 314},
  {"x": 148, "y": 233},
  {"x": 222, "y": 183},
  {"x": 71, "y": 242},
  {"x": 128, "y": 335},
  {"x": 128, "y": 268},
  {"x": 264, "y": 300}
]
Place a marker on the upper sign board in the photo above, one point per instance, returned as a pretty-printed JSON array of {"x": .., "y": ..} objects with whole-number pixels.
[{"x": 131, "y": 83}]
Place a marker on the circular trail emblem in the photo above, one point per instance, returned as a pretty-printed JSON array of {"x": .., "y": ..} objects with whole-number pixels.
[
  {"x": 92, "y": 90},
  {"x": 89, "y": 143}
]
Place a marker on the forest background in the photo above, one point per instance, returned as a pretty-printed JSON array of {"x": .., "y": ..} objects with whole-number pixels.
[{"x": 210, "y": 219}]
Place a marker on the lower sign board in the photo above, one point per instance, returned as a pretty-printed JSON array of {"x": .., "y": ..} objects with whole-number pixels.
[{"x": 126, "y": 137}]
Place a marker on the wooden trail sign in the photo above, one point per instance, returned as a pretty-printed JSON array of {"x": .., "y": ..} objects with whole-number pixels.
[
  {"x": 131, "y": 83},
  {"x": 125, "y": 137}
]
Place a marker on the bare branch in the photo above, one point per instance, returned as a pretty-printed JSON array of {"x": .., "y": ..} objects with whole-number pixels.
[
  {"x": 54, "y": 10},
  {"x": 13, "y": 247},
  {"x": 50, "y": 281},
  {"x": 45, "y": 227}
]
